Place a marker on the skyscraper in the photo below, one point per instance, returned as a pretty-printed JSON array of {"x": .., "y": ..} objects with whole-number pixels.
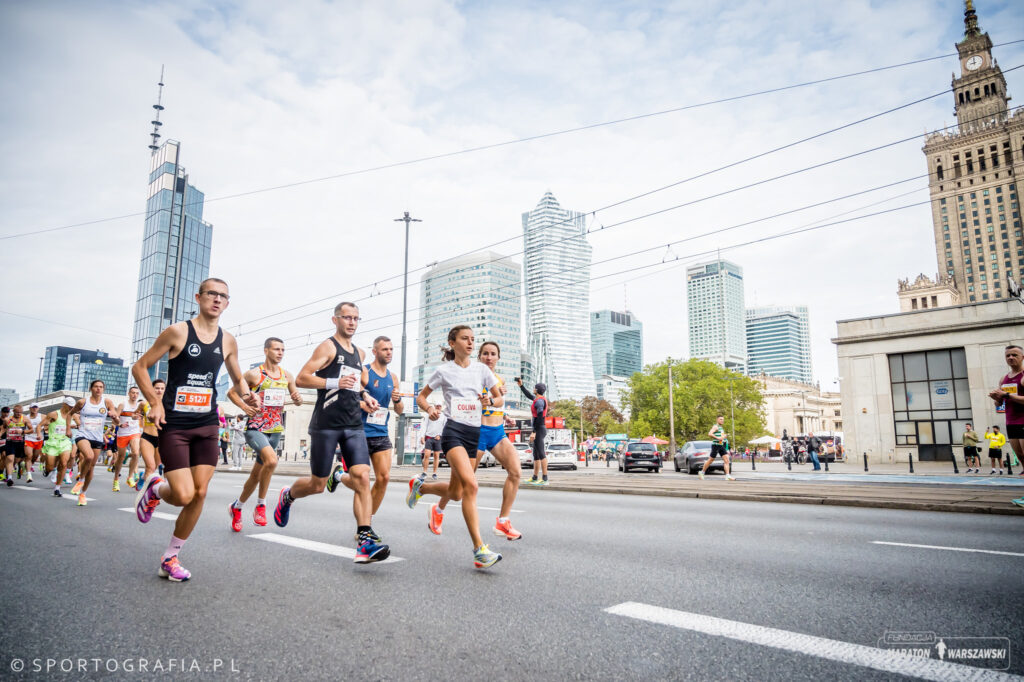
[
  {"x": 974, "y": 193},
  {"x": 481, "y": 290},
  {"x": 556, "y": 283},
  {"x": 73, "y": 369},
  {"x": 779, "y": 342},
  {"x": 616, "y": 343},
  {"x": 715, "y": 311}
]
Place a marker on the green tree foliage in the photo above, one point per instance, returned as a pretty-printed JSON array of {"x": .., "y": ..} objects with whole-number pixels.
[
  {"x": 599, "y": 416},
  {"x": 701, "y": 392}
]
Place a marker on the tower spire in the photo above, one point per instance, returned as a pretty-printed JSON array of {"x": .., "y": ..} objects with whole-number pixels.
[
  {"x": 159, "y": 107},
  {"x": 971, "y": 29}
]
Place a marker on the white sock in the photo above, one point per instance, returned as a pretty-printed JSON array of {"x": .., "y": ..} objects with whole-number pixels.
[
  {"x": 440, "y": 511},
  {"x": 503, "y": 519},
  {"x": 262, "y": 501},
  {"x": 236, "y": 504},
  {"x": 174, "y": 547},
  {"x": 162, "y": 490}
]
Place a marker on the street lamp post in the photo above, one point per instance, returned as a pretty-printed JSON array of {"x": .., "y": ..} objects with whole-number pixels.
[
  {"x": 671, "y": 414},
  {"x": 732, "y": 413},
  {"x": 400, "y": 436}
]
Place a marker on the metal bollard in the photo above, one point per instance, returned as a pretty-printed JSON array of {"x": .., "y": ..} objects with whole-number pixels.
[
  {"x": 910, "y": 458},
  {"x": 1009, "y": 467},
  {"x": 956, "y": 470},
  {"x": 753, "y": 461},
  {"x": 865, "y": 461},
  {"x": 789, "y": 463},
  {"x": 825, "y": 457}
]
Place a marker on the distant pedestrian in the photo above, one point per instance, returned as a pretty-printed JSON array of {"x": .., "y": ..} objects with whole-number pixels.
[
  {"x": 225, "y": 440},
  {"x": 813, "y": 446},
  {"x": 971, "y": 458},
  {"x": 237, "y": 428},
  {"x": 996, "y": 441}
]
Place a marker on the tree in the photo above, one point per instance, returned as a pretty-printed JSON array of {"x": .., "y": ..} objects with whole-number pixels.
[
  {"x": 596, "y": 414},
  {"x": 701, "y": 393}
]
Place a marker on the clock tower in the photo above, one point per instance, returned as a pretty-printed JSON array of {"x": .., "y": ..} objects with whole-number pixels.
[{"x": 973, "y": 177}]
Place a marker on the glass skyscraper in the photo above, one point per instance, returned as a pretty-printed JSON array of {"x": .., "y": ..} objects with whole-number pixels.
[
  {"x": 556, "y": 283},
  {"x": 175, "y": 252},
  {"x": 73, "y": 369},
  {"x": 779, "y": 342},
  {"x": 617, "y": 343},
  {"x": 481, "y": 290},
  {"x": 715, "y": 313}
]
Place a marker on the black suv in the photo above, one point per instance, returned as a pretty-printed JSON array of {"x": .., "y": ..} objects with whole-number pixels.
[{"x": 644, "y": 455}]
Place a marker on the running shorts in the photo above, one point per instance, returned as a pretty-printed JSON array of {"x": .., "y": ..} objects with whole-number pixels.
[
  {"x": 187, "y": 448},
  {"x": 490, "y": 436},
  {"x": 125, "y": 441},
  {"x": 15, "y": 448},
  {"x": 995, "y": 453},
  {"x": 55, "y": 447},
  {"x": 323, "y": 443},
  {"x": 432, "y": 443},
  {"x": 151, "y": 439},
  {"x": 1015, "y": 430},
  {"x": 257, "y": 440},
  {"x": 377, "y": 444},
  {"x": 718, "y": 450},
  {"x": 34, "y": 444},
  {"x": 95, "y": 444},
  {"x": 456, "y": 435}
]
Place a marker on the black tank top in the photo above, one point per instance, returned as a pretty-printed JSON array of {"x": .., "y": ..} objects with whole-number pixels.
[
  {"x": 190, "y": 400},
  {"x": 338, "y": 408}
]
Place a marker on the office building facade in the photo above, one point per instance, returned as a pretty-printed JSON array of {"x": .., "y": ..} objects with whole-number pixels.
[
  {"x": 716, "y": 315},
  {"x": 779, "y": 342},
  {"x": 616, "y": 343},
  {"x": 73, "y": 369}
]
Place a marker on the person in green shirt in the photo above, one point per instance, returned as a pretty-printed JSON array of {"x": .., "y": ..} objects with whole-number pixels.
[
  {"x": 971, "y": 457},
  {"x": 719, "y": 447}
]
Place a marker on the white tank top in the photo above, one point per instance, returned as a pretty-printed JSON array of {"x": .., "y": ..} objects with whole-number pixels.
[
  {"x": 35, "y": 423},
  {"x": 93, "y": 417},
  {"x": 128, "y": 424}
]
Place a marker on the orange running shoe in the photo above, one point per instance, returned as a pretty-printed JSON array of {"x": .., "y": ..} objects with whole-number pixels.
[
  {"x": 506, "y": 529},
  {"x": 77, "y": 489},
  {"x": 435, "y": 520}
]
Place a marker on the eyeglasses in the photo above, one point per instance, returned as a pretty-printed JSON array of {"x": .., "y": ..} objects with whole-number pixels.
[
  {"x": 349, "y": 318},
  {"x": 216, "y": 294}
]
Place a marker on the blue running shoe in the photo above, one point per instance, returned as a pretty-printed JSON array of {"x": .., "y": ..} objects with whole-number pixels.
[
  {"x": 1019, "y": 502},
  {"x": 414, "y": 492},
  {"x": 335, "y": 478},
  {"x": 371, "y": 550},
  {"x": 284, "y": 507}
]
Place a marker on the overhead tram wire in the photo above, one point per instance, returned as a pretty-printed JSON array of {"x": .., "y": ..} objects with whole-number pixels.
[
  {"x": 661, "y": 245},
  {"x": 530, "y": 138}
]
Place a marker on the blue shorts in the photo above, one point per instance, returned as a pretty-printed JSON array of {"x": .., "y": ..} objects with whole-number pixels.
[
  {"x": 257, "y": 440},
  {"x": 490, "y": 436}
]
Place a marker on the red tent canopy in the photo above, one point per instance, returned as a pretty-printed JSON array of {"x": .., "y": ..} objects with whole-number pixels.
[{"x": 655, "y": 441}]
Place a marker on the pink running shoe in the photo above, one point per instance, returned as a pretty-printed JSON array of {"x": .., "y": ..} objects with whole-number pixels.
[
  {"x": 173, "y": 571},
  {"x": 146, "y": 501}
]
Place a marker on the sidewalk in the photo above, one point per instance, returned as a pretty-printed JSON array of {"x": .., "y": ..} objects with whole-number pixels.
[{"x": 934, "y": 488}]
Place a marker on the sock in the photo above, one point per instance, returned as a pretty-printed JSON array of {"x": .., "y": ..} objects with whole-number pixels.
[
  {"x": 173, "y": 548},
  {"x": 440, "y": 511},
  {"x": 503, "y": 519},
  {"x": 161, "y": 490},
  {"x": 262, "y": 501},
  {"x": 236, "y": 504},
  {"x": 56, "y": 487},
  {"x": 288, "y": 499}
]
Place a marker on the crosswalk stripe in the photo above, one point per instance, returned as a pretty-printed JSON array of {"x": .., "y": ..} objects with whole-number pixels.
[
  {"x": 820, "y": 647},
  {"x": 156, "y": 515},
  {"x": 313, "y": 545}
]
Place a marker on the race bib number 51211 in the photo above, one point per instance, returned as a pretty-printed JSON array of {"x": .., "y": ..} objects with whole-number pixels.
[{"x": 193, "y": 399}]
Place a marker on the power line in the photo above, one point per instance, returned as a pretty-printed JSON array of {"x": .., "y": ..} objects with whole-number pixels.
[
  {"x": 496, "y": 145},
  {"x": 62, "y": 324}
]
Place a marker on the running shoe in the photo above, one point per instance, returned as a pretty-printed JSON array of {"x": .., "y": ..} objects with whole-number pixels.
[
  {"x": 57, "y": 493},
  {"x": 334, "y": 478},
  {"x": 146, "y": 501},
  {"x": 369, "y": 534},
  {"x": 139, "y": 480},
  {"x": 53, "y": 477},
  {"x": 371, "y": 550},
  {"x": 3, "y": 476},
  {"x": 283, "y": 508},
  {"x": 173, "y": 570},
  {"x": 701, "y": 474},
  {"x": 21, "y": 469},
  {"x": 434, "y": 476},
  {"x": 117, "y": 486},
  {"x": 730, "y": 477},
  {"x": 236, "y": 518},
  {"x": 10, "y": 482},
  {"x": 81, "y": 500},
  {"x": 259, "y": 515},
  {"x": 133, "y": 481},
  {"x": 29, "y": 478},
  {"x": 1019, "y": 502},
  {"x": 485, "y": 558},
  {"x": 160, "y": 469},
  {"x": 543, "y": 482},
  {"x": 46, "y": 471},
  {"x": 67, "y": 479},
  {"x": 414, "y": 492},
  {"x": 435, "y": 520},
  {"x": 506, "y": 529}
]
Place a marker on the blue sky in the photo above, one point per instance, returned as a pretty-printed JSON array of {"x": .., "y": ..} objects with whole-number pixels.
[{"x": 263, "y": 94}]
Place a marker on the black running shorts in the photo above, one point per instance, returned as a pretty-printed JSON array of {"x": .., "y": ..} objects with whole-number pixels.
[
  {"x": 323, "y": 443},
  {"x": 187, "y": 448},
  {"x": 456, "y": 435},
  {"x": 377, "y": 444}
]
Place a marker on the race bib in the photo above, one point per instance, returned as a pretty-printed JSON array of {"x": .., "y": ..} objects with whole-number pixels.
[
  {"x": 352, "y": 371},
  {"x": 378, "y": 418},
  {"x": 92, "y": 423},
  {"x": 273, "y": 397},
  {"x": 1009, "y": 388},
  {"x": 193, "y": 399},
  {"x": 466, "y": 411}
]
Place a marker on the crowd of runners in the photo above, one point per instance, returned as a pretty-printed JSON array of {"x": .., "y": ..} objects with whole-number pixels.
[{"x": 176, "y": 427}]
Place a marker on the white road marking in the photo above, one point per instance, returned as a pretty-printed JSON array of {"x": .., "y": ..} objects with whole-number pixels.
[
  {"x": 948, "y": 549},
  {"x": 313, "y": 545},
  {"x": 66, "y": 496},
  {"x": 24, "y": 487},
  {"x": 156, "y": 515},
  {"x": 497, "y": 509},
  {"x": 829, "y": 649}
]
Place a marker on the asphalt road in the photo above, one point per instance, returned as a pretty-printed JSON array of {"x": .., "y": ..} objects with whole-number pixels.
[{"x": 82, "y": 590}]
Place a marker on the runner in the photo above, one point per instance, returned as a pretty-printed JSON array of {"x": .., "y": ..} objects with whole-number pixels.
[
  {"x": 16, "y": 427},
  {"x": 129, "y": 432},
  {"x": 4, "y": 413},
  {"x": 467, "y": 387},
  {"x": 996, "y": 441},
  {"x": 150, "y": 444},
  {"x": 93, "y": 412},
  {"x": 33, "y": 440},
  {"x": 382, "y": 384},
  {"x": 432, "y": 444},
  {"x": 57, "y": 448},
  {"x": 970, "y": 442},
  {"x": 263, "y": 432},
  {"x": 539, "y": 412},
  {"x": 492, "y": 437},
  {"x": 186, "y": 415},
  {"x": 718, "y": 448},
  {"x": 1011, "y": 395},
  {"x": 336, "y": 371}
]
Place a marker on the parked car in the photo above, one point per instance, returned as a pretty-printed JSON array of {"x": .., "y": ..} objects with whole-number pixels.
[
  {"x": 561, "y": 456},
  {"x": 525, "y": 453},
  {"x": 637, "y": 455},
  {"x": 693, "y": 455}
]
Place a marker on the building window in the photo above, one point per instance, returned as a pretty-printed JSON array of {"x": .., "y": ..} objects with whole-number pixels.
[{"x": 931, "y": 400}]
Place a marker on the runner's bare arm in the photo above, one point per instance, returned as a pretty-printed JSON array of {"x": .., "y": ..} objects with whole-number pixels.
[
  {"x": 113, "y": 412},
  {"x": 433, "y": 411},
  {"x": 171, "y": 341},
  {"x": 250, "y": 378},
  {"x": 293, "y": 389},
  {"x": 231, "y": 364},
  {"x": 321, "y": 356},
  {"x": 396, "y": 396}
]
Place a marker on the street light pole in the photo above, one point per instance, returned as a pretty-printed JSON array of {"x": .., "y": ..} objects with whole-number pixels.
[
  {"x": 732, "y": 413},
  {"x": 400, "y": 436},
  {"x": 671, "y": 414}
]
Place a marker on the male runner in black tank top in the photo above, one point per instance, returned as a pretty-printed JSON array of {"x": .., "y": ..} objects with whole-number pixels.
[
  {"x": 186, "y": 416},
  {"x": 336, "y": 370}
]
